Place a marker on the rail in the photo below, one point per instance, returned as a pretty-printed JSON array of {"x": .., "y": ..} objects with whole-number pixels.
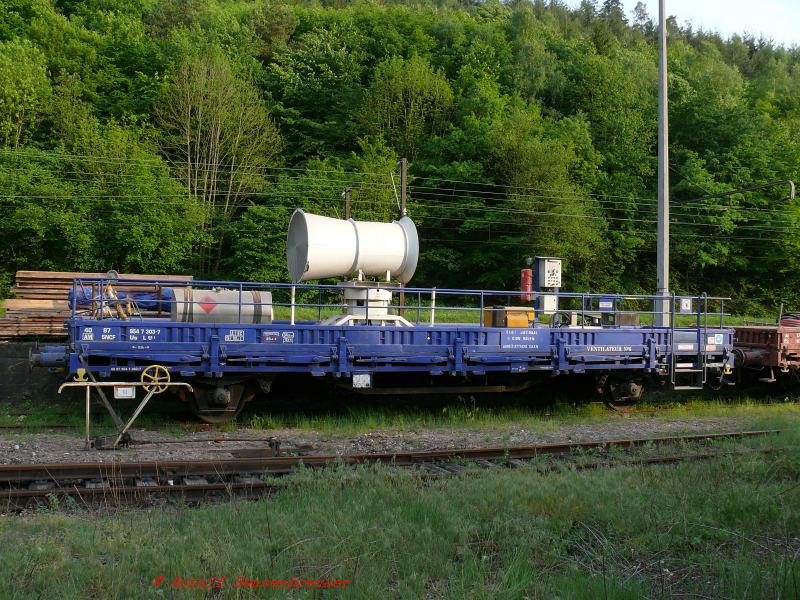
[{"x": 124, "y": 482}]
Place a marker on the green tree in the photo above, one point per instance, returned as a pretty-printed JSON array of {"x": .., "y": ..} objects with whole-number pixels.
[
  {"x": 546, "y": 213},
  {"x": 219, "y": 132},
  {"x": 107, "y": 201},
  {"x": 315, "y": 80},
  {"x": 406, "y": 102},
  {"x": 24, "y": 90}
]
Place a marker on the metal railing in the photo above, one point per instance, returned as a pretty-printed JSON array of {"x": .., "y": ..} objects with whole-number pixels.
[{"x": 137, "y": 299}]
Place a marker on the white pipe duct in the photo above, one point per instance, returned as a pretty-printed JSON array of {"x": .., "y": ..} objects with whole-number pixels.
[{"x": 318, "y": 247}]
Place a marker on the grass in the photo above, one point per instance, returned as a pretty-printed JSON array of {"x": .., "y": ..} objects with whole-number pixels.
[
  {"x": 724, "y": 528},
  {"x": 546, "y": 409}
]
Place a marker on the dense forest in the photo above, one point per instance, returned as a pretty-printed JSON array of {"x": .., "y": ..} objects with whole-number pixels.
[{"x": 178, "y": 136}]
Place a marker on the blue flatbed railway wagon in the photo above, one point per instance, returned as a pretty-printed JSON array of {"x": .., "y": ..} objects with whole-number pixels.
[{"x": 224, "y": 339}]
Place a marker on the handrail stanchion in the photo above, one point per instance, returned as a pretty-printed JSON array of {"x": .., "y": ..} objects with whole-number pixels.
[
  {"x": 433, "y": 306},
  {"x": 672, "y": 344},
  {"x": 102, "y": 296},
  {"x": 87, "y": 437},
  {"x": 239, "y": 313},
  {"x": 291, "y": 320},
  {"x": 583, "y": 309}
]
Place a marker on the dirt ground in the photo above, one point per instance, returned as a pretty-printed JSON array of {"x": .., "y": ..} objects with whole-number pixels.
[{"x": 19, "y": 446}]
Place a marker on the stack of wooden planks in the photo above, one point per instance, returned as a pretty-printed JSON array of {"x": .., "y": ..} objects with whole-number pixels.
[{"x": 41, "y": 301}]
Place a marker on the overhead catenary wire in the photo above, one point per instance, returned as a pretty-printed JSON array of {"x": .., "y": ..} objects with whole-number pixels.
[
  {"x": 428, "y": 204},
  {"x": 212, "y": 227},
  {"x": 451, "y": 201},
  {"x": 250, "y": 169},
  {"x": 136, "y": 199},
  {"x": 464, "y": 203}
]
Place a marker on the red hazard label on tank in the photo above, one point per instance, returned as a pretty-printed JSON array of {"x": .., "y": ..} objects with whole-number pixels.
[{"x": 207, "y": 304}]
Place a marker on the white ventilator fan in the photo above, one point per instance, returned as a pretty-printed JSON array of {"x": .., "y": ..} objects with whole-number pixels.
[{"x": 318, "y": 247}]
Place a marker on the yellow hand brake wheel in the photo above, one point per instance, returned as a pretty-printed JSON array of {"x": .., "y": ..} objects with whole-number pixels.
[{"x": 155, "y": 379}]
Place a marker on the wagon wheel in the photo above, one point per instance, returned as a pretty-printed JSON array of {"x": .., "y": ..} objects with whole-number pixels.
[
  {"x": 621, "y": 392},
  {"x": 202, "y": 405},
  {"x": 155, "y": 379}
]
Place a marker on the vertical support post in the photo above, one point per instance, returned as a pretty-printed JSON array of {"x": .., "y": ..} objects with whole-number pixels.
[
  {"x": 88, "y": 440},
  {"x": 347, "y": 192},
  {"x": 403, "y": 185},
  {"x": 433, "y": 306},
  {"x": 583, "y": 309},
  {"x": 291, "y": 321},
  {"x": 239, "y": 313},
  {"x": 662, "y": 261},
  {"x": 214, "y": 356},
  {"x": 102, "y": 298},
  {"x": 400, "y": 311},
  {"x": 403, "y": 200}
]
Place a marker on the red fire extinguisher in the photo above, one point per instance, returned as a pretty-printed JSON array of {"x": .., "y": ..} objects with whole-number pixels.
[{"x": 526, "y": 284}]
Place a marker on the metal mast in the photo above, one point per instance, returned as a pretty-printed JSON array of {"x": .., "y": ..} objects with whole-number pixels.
[{"x": 662, "y": 278}]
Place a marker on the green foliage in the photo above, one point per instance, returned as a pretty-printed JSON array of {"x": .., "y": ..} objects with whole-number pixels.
[
  {"x": 24, "y": 90},
  {"x": 406, "y": 103},
  {"x": 315, "y": 80},
  {"x": 221, "y": 138},
  {"x": 109, "y": 203},
  {"x": 175, "y": 135}
]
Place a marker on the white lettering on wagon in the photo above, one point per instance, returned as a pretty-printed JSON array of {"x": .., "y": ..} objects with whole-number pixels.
[
  {"x": 519, "y": 339},
  {"x": 142, "y": 334},
  {"x": 235, "y": 335},
  {"x": 277, "y": 337},
  {"x": 609, "y": 348}
]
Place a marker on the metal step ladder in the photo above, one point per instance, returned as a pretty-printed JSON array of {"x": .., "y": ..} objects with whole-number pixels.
[
  {"x": 696, "y": 376},
  {"x": 693, "y": 376}
]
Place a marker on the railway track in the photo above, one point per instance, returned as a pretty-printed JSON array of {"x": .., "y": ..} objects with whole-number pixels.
[
  {"x": 118, "y": 483},
  {"x": 36, "y": 427}
]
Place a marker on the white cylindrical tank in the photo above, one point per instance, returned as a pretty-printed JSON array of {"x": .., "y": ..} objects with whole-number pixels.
[
  {"x": 221, "y": 306},
  {"x": 319, "y": 247}
]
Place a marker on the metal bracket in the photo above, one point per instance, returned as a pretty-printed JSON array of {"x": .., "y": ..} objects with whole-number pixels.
[
  {"x": 122, "y": 428},
  {"x": 117, "y": 419}
]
